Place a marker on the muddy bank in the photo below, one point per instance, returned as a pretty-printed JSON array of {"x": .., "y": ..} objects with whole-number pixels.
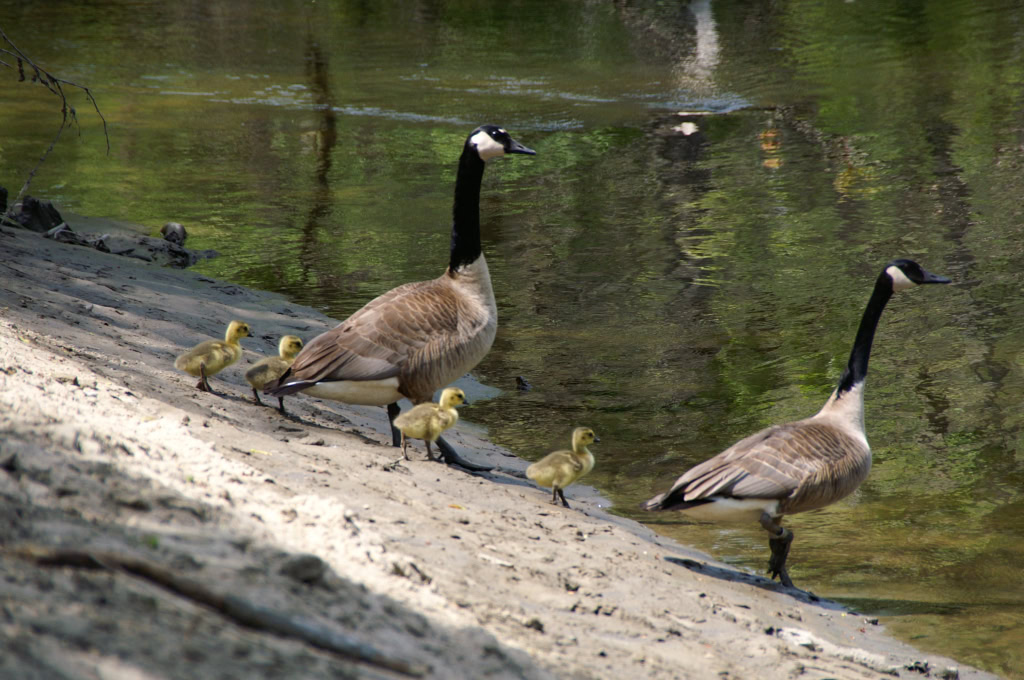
[{"x": 105, "y": 447}]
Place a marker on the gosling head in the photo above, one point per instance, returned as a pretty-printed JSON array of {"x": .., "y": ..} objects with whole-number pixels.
[
  {"x": 238, "y": 330},
  {"x": 289, "y": 346},
  {"x": 452, "y": 397},
  {"x": 491, "y": 141},
  {"x": 583, "y": 436},
  {"x": 906, "y": 274}
]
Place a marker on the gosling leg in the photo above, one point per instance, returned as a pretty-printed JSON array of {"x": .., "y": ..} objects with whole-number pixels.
[
  {"x": 430, "y": 454},
  {"x": 204, "y": 384},
  {"x": 405, "y": 451},
  {"x": 561, "y": 495},
  {"x": 256, "y": 397},
  {"x": 396, "y": 435},
  {"x": 780, "y": 541}
]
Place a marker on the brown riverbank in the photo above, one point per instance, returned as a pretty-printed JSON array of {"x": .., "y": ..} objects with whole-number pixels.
[{"x": 106, "y": 447}]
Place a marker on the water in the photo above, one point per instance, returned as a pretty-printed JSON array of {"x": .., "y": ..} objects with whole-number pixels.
[{"x": 674, "y": 292}]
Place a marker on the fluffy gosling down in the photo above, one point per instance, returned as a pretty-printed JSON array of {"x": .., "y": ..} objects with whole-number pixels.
[
  {"x": 213, "y": 356},
  {"x": 428, "y": 421},
  {"x": 561, "y": 468},
  {"x": 272, "y": 368}
]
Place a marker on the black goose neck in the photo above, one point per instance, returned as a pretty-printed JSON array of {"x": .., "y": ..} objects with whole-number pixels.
[
  {"x": 857, "y": 368},
  {"x": 466, "y": 210}
]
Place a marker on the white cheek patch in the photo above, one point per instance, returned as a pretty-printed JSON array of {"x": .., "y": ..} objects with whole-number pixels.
[
  {"x": 899, "y": 279},
  {"x": 486, "y": 147}
]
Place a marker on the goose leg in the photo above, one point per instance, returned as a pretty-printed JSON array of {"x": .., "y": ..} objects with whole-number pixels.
[
  {"x": 451, "y": 458},
  {"x": 779, "y": 542},
  {"x": 280, "y": 405},
  {"x": 256, "y": 397},
  {"x": 396, "y": 435},
  {"x": 777, "y": 562}
]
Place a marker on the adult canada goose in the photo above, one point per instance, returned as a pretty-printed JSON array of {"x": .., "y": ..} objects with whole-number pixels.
[
  {"x": 799, "y": 466},
  {"x": 420, "y": 336},
  {"x": 561, "y": 468},
  {"x": 271, "y": 368},
  {"x": 427, "y": 421},
  {"x": 213, "y": 356}
]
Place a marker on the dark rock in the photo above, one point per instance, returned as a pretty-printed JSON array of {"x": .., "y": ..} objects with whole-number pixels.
[
  {"x": 65, "y": 234},
  {"x": 174, "y": 232},
  {"x": 159, "y": 251},
  {"x": 41, "y": 216},
  {"x": 166, "y": 253},
  {"x": 36, "y": 215}
]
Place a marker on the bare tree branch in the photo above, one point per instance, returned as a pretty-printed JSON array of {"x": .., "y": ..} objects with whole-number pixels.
[{"x": 56, "y": 86}]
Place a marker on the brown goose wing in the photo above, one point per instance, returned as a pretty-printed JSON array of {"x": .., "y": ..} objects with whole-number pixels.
[
  {"x": 376, "y": 341},
  {"x": 798, "y": 463}
]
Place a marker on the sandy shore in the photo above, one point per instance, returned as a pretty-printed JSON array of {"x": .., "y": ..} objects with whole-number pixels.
[{"x": 105, "y": 448}]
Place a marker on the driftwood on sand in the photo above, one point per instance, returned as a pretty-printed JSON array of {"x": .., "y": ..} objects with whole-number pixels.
[{"x": 236, "y": 608}]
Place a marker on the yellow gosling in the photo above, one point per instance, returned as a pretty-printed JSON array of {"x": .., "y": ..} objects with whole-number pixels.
[
  {"x": 427, "y": 421},
  {"x": 213, "y": 356},
  {"x": 561, "y": 468},
  {"x": 272, "y": 368}
]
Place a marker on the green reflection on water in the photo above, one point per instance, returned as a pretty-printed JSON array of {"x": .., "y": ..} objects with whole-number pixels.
[{"x": 673, "y": 292}]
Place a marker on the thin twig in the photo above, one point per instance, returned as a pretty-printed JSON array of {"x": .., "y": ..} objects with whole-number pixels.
[
  {"x": 235, "y": 608},
  {"x": 55, "y": 86},
  {"x": 53, "y": 83}
]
